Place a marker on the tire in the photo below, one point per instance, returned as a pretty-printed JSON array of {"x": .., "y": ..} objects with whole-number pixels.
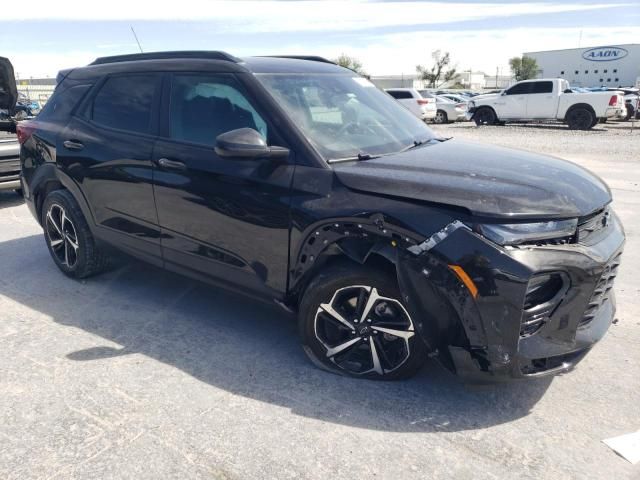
[
  {"x": 339, "y": 327},
  {"x": 68, "y": 237},
  {"x": 595, "y": 122},
  {"x": 630, "y": 113},
  {"x": 580, "y": 118},
  {"x": 485, "y": 116},
  {"x": 441, "y": 117}
]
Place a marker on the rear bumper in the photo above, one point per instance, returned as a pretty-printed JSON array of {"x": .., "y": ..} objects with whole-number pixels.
[
  {"x": 615, "y": 112},
  {"x": 428, "y": 114},
  {"x": 482, "y": 339}
]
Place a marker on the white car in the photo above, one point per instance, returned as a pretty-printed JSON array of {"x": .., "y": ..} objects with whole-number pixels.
[
  {"x": 545, "y": 99},
  {"x": 448, "y": 111},
  {"x": 422, "y": 106},
  {"x": 456, "y": 98}
]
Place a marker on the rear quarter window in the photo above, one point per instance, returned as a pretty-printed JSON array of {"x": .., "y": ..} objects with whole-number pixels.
[{"x": 62, "y": 102}]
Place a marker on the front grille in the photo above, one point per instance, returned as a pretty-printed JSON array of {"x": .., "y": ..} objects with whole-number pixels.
[{"x": 602, "y": 291}]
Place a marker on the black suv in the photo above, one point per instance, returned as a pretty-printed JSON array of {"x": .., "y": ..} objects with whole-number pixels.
[{"x": 297, "y": 181}]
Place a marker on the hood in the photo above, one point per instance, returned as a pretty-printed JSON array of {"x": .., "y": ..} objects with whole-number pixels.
[
  {"x": 488, "y": 181},
  {"x": 8, "y": 90}
]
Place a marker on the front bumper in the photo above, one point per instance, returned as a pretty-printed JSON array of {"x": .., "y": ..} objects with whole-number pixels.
[{"x": 480, "y": 338}]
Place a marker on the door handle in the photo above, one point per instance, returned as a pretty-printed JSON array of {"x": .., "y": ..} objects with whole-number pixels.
[
  {"x": 72, "y": 145},
  {"x": 171, "y": 164}
]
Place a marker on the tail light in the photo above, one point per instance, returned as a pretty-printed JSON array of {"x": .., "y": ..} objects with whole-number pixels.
[
  {"x": 424, "y": 101},
  {"x": 461, "y": 105},
  {"x": 24, "y": 130},
  {"x": 613, "y": 101}
]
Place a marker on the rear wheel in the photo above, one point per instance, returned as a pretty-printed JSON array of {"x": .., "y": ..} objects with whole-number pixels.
[
  {"x": 441, "y": 117},
  {"x": 580, "y": 118},
  {"x": 352, "y": 321},
  {"x": 485, "y": 116},
  {"x": 68, "y": 237}
]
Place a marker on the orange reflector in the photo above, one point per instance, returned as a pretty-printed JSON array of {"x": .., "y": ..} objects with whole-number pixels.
[{"x": 464, "y": 278}]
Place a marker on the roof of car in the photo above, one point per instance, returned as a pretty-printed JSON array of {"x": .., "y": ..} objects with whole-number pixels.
[{"x": 214, "y": 60}]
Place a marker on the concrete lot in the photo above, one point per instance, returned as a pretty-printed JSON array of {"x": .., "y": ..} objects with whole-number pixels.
[{"x": 142, "y": 374}]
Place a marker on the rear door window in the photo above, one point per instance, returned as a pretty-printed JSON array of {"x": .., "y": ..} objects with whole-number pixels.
[
  {"x": 125, "y": 102},
  {"x": 542, "y": 87}
]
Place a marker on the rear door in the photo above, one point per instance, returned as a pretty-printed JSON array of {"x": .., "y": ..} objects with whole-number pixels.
[
  {"x": 107, "y": 151},
  {"x": 541, "y": 102},
  {"x": 513, "y": 103},
  {"x": 221, "y": 218}
]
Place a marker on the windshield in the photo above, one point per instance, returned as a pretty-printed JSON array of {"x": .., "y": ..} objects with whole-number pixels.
[{"x": 345, "y": 116}]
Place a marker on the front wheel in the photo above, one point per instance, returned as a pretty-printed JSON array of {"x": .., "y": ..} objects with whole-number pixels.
[
  {"x": 353, "y": 322},
  {"x": 485, "y": 116}
]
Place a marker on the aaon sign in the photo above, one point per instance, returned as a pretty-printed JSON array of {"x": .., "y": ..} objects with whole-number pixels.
[{"x": 604, "y": 54}]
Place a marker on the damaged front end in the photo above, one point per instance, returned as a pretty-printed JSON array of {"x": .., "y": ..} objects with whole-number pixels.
[{"x": 497, "y": 313}]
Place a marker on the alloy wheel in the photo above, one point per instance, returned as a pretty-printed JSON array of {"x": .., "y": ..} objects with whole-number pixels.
[
  {"x": 62, "y": 236},
  {"x": 364, "y": 332},
  {"x": 439, "y": 117}
]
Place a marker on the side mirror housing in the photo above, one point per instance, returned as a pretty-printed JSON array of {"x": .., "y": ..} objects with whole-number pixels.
[{"x": 247, "y": 144}]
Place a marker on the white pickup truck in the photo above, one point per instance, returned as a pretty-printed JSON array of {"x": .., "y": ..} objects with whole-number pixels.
[{"x": 545, "y": 99}]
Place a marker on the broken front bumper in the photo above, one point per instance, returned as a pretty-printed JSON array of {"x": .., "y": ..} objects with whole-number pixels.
[{"x": 482, "y": 335}]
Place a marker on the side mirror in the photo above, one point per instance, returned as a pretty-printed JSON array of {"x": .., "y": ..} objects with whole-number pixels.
[{"x": 246, "y": 143}]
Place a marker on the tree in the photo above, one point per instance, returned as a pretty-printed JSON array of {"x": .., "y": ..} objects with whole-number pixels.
[
  {"x": 352, "y": 63},
  {"x": 523, "y": 68},
  {"x": 438, "y": 74}
]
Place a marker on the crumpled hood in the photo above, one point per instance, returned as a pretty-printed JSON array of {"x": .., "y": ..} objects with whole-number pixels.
[
  {"x": 486, "y": 180},
  {"x": 8, "y": 91}
]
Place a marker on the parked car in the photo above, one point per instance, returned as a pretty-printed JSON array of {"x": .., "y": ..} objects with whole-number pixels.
[
  {"x": 9, "y": 162},
  {"x": 293, "y": 180},
  {"x": 456, "y": 98},
  {"x": 9, "y": 146},
  {"x": 423, "y": 107},
  {"x": 546, "y": 99},
  {"x": 449, "y": 111}
]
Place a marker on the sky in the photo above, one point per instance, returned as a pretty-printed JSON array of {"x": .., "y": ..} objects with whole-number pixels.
[{"x": 387, "y": 36}]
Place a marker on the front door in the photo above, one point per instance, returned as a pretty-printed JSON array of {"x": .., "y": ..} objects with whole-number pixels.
[
  {"x": 107, "y": 151},
  {"x": 225, "y": 219},
  {"x": 513, "y": 103}
]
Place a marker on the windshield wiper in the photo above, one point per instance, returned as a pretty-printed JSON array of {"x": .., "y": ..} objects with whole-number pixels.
[{"x": 360, "y": 156}]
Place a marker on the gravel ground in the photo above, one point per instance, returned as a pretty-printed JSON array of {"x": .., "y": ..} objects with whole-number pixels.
[{"x": 143, "y": 374}]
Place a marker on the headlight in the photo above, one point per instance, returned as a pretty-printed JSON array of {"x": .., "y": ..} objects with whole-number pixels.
[{"x": 516, "y": 233}]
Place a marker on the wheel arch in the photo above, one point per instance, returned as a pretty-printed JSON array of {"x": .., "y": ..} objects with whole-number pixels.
[
  {"x": 385, "y": 247},
  {"x": 580, "y": 105},
  {"x": 49, "y": 178}
]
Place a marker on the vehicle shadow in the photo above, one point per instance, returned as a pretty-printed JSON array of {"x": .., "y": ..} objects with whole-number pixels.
[
  {"x": 249, "y": 349},
  {"x": 537, "y": 126},
  {"x": 10, "y": 198}
]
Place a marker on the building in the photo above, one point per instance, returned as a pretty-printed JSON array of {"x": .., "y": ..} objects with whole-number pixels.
[
  {"x": 610, "y": 66},
  {"x": 468, "y": 79}
]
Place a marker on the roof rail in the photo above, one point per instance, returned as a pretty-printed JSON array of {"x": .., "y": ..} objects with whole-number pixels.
[
  {"x": 311, "y": 58},
  {"x": 202, "y": 54}
]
